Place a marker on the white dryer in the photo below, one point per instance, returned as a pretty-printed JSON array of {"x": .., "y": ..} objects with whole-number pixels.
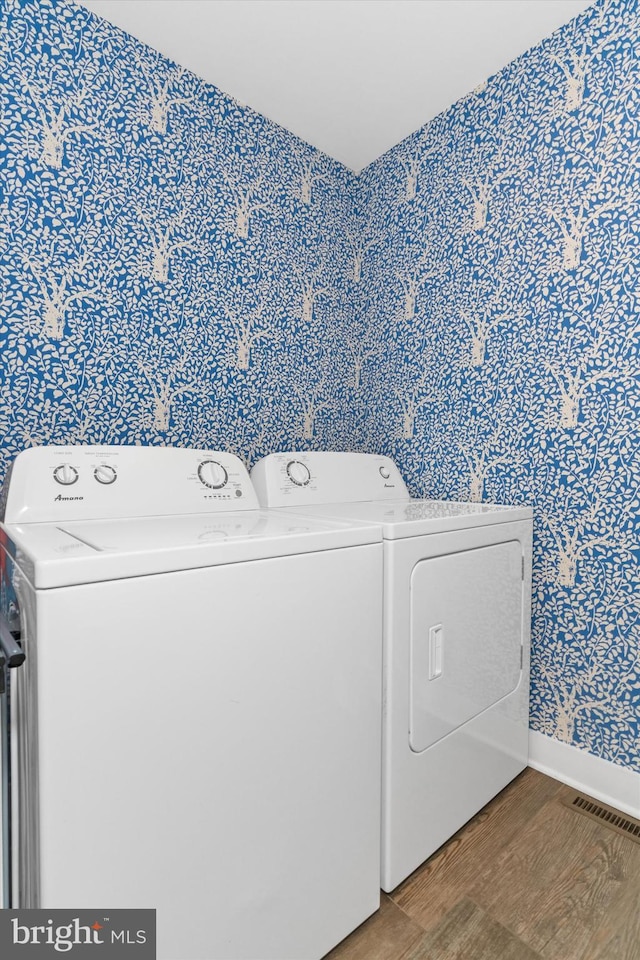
[
  {"x": 196, "y": 725},
  {"x": 457, "y": 586}
]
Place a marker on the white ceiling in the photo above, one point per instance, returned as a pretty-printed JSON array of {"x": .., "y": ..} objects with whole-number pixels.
[{"x": 352, "y": 77}]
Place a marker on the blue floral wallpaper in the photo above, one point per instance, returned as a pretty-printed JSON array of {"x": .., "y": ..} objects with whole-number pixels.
[
  {"x": 172, "y": 262},
  {"x": 176, "y": 269},
  {"x": 501, "y": 282}
]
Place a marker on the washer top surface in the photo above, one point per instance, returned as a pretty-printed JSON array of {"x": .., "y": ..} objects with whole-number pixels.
[
  {"x": 75, "y": 515},
  {"x": 414, "y": 518},
  {"x": 75, "y": 552}
]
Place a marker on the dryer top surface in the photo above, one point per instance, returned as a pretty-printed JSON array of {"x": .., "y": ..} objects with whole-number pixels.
[{"x": 415, "y": 518}]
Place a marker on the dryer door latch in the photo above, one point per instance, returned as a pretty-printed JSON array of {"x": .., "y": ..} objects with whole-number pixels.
[{"x": 436, "y": 640}]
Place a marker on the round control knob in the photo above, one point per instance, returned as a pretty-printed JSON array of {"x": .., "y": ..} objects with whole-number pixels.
[
  {"x": 385, "y": 473},
  {"x": 105, "y": 473},
  {"x": 65, "y": 474},
  {"x": 212, "y": 474},
  {"x": 298, "y": 473}
]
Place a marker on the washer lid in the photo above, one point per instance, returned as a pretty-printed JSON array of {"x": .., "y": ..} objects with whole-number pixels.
[
  {"x": 414, "y": 518},
  {"x": 54, "y": 555}
]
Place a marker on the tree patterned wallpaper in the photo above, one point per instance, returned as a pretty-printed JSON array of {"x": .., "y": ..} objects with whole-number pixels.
[
  {"x": 501, "y": 277},
  {"x": 172, "y": 270},
  {"x": 176, "y": 269}
]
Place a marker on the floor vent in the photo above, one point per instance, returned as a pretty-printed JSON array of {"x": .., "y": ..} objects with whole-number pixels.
[{"x": 630, "y": 828}]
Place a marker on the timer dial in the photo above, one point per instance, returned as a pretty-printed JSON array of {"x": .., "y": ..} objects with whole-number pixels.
[
  {"x": 65, "y": 474},
  {"x": 212, "y": 474},
  {"x": 298, "y": 473},
  {"x": 104, "y": 473},
  {"x": 385, "y": 473}
]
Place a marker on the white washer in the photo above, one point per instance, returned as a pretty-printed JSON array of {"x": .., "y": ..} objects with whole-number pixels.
[
  {"x": 457, "y": 588},
  {"x": 196, "y": 725}
]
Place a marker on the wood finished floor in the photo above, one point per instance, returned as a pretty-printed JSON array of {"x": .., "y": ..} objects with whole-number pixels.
[{"x": 529, "y": 878}]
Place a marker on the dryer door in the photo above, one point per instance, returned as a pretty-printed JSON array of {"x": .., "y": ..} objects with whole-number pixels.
[{"x": 466, "y": 637}]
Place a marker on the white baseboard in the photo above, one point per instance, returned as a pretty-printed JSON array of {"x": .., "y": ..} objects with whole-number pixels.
[{"x": 616, "y": 786}]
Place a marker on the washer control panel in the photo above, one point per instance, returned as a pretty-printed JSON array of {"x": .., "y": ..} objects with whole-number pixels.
[
  {"x": 102, "y": 482},
  {"x": 296, "y": 478}
]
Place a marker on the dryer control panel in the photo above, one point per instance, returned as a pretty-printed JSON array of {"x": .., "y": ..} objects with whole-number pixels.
[
  {"x": 303, "y": 478},
  {"x": 53, "y": 483}
]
